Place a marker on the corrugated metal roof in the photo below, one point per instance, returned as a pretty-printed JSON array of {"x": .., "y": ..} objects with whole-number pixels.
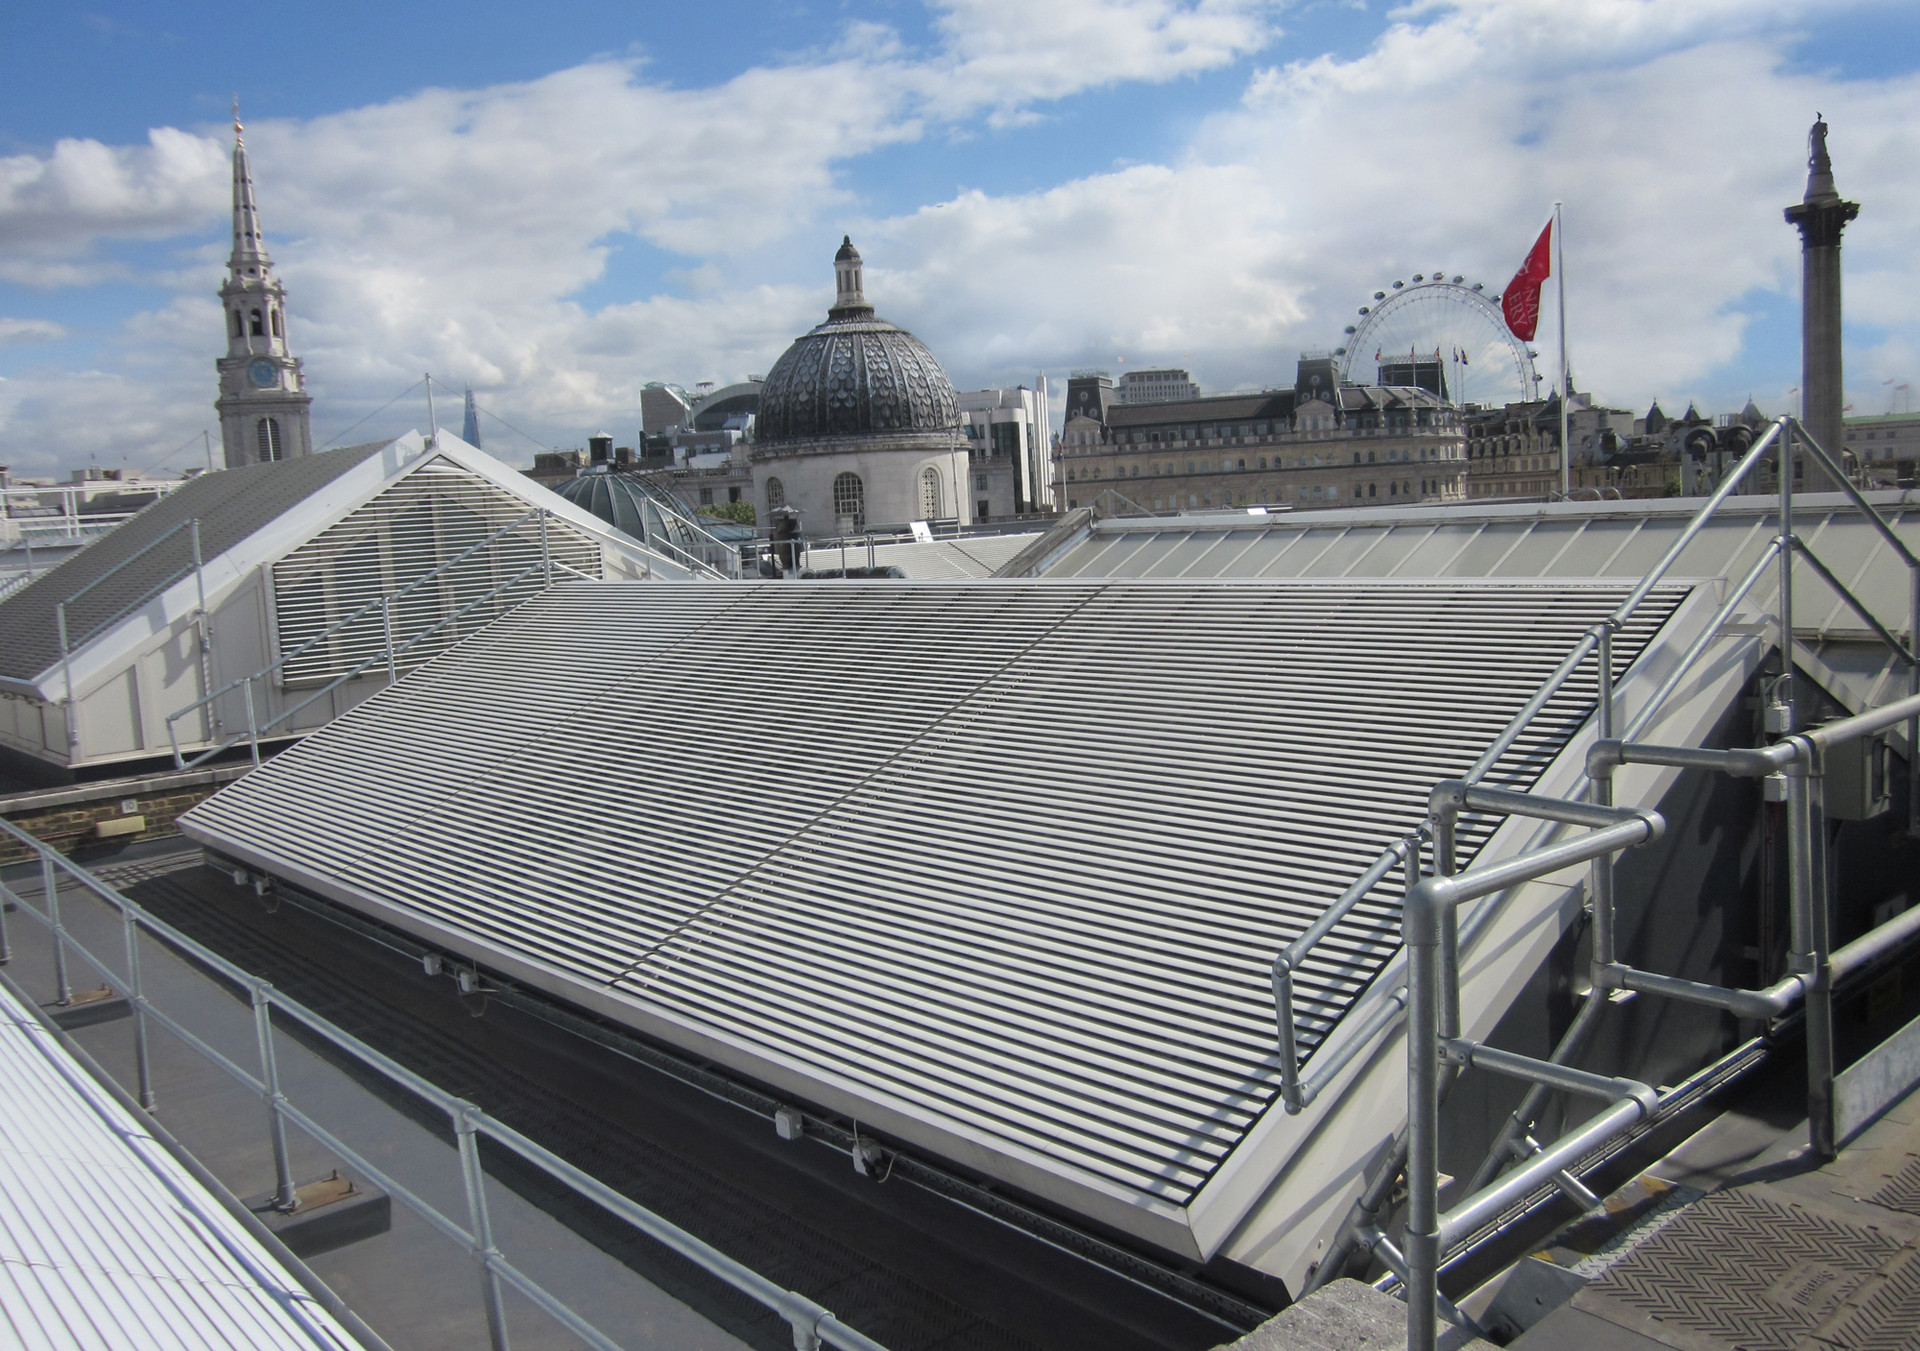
[
  {"x": 1008, "y": 860},
  {"x": 107, "y": 1242},
  {"x": 230, "y": 505},
  {"x": 1573, "y": 539}
]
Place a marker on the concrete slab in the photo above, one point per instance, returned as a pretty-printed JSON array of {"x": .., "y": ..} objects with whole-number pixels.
[{"x": 1345, "y": 1315}]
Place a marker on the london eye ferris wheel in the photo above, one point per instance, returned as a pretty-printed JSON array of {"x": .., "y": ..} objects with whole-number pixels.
[{"x": 1447, "y": 321}]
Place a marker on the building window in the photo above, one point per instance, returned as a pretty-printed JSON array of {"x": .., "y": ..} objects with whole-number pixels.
[
  {"x": 258, "y": 331},
  {"x": 776, "y": 494},
  {"x": 733, "y": 494},
  {"x": 268, "y": 434},
  {"x": 929, "y": 494},
  {"x": 981, "y": 510},
  {"x": 849, "y": 502},
  {"x": 706, "y": 497},
  {"x": 239, "y": 325},
  {"x": 276, "y": 323}
]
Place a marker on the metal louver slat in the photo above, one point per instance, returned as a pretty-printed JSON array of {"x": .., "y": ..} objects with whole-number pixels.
[
  {"x": 420, "y": 523},
  {"x": 1010, "y": 858}
]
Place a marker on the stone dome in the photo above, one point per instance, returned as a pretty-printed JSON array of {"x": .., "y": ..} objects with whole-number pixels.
[{"x": 856, "y": 375}]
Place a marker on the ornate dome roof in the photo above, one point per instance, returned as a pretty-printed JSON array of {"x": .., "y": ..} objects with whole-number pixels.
[{"x": 854, "y": 376}]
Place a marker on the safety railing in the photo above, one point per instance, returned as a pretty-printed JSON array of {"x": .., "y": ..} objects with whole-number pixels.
[
  {"x": 68, "y": 642},
  {"x": 1299, "y": 1090},
  {"x": 811, "y": 1324},
  {"x": 1435, "y": 1047},
  {"x": 388, "y": 654}
]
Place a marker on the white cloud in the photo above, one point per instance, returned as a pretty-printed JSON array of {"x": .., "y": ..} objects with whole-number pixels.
[
  {"x": 449, "y": 230},
  {"x": 83, "y": 190},
  {"x": 22, "y": 332},
  {"x": 1006, "y": 54}
]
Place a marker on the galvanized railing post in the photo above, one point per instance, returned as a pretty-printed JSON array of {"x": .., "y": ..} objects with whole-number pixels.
[
  {"x": 386, "y": 628},
  {"x": 202, "y": 635},
  {"x": 1446, "y": 818},
  {"x": 50, "y": 886},
  {"x": 1421, "y": 1243},
  {"x": 253, "y": 724},
  {"x": 1811, "y": 924},
  {"x": 1913, "y": 689},
  {"x": 1603, "y": 916},
  {"x": 66, "y": 671},
  {"x": 1787, "y": 546},
  {"x": 474, "y": 1178},
  {"x": 137, "y": 997},
  {"x": 283, "y": 1197}
]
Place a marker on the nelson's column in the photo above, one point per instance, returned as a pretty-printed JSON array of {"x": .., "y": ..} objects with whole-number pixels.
[
  {"x": 263, "y": 400},
  {"x": 1821, "y": 216}
]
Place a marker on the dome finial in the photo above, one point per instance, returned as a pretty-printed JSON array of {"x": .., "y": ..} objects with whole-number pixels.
[{"x": 850, "y": 302}]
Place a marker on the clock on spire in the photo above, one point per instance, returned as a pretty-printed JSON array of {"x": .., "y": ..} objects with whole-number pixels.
[{"x": 263, "y": 403}]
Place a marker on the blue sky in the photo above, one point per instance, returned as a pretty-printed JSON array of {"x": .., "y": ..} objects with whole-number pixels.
[{"x": 559, "y": 205}]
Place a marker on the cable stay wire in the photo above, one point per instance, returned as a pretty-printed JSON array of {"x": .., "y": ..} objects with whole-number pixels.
[
  {"x": 510, "y": 427},
  {"x": 338, "y": 436}
]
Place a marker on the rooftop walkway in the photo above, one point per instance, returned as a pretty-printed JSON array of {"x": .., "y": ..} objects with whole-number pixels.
[{"x": 1761, "y": 1249}]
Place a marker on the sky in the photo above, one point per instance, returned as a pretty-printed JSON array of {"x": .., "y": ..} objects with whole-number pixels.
[{"x": 555, "y": 205}]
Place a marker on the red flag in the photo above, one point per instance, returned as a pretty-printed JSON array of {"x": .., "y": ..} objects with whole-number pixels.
[{"x": 1520, "y": 302}]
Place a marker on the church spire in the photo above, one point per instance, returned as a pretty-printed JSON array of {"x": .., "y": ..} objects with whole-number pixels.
[
  {"x": 263, "y": 401},
  {"x": 249, "y": 257}
]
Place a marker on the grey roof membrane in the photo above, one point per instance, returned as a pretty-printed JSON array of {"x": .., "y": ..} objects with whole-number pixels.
[
  {"x": 1010, "y": 858},
  {"x": 230, "y": 505}
]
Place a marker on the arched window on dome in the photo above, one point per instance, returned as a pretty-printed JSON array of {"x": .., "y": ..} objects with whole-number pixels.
[
  {"x": 929, "y": 494},
  {"x": 776, "y": 494},
  {"x": 268, "y": 432},
  {"x": 239, "y": 325},
  {"x": 849, "y": 503},
  {"x": 258, "y": 331},
  {"x": 277, "y": 331}
]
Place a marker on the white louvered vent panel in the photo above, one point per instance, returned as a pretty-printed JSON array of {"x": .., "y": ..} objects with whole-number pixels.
[{"x": 416, "y": 526}]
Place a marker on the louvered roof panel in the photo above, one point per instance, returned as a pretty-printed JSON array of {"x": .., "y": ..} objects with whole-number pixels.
[{"x": 1012, "y": 857}]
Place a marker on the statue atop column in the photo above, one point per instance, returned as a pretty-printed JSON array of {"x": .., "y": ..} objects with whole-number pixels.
[{"x": 1819, "y": 165}]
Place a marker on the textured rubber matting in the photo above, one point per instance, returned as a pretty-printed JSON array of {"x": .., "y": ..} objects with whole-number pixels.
[
  {"x": 1902, "y": 1191},
  {"x": 1746, "y": 1271}
]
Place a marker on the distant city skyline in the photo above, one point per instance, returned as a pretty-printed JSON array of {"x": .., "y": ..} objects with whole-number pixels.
[{"x": 557, "y": 209}]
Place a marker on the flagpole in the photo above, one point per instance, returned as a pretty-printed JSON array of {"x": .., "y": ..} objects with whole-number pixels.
[{"x": 1566, "y": 394}]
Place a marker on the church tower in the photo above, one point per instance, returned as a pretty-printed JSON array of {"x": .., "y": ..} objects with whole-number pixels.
[{"x": 263, "y": 400}]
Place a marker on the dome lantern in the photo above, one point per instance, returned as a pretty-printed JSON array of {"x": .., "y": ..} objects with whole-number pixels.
[{"x": 856, "y": 375}]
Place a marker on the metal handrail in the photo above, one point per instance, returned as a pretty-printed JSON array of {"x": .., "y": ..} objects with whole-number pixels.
[
  {"x": 811, "y": 1323},
  {"x": 1388, "y": 1013},
  {"x": 1432, "y": 901},
  {"x": 1296, "y": 1092},
  {"x": 145, "y": 596}
]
